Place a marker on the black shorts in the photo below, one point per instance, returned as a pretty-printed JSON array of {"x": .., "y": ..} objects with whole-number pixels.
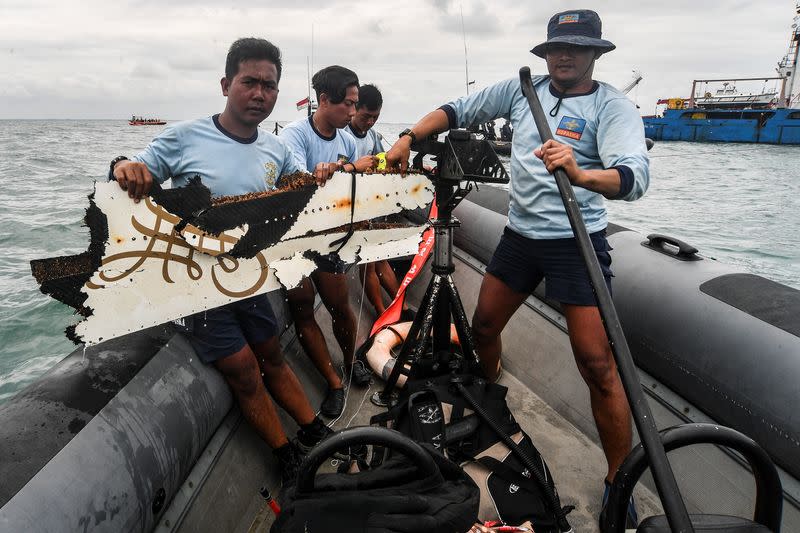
[
  {"x": 522, "y": 263},
  {"x": 330, "y": 264},
  {"x": 218, "y": 333}
]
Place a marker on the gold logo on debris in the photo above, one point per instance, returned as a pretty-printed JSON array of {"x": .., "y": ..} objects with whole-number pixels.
[{"x": 179, "y": 252}]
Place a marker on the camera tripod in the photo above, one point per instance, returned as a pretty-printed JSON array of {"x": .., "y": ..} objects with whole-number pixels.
[{"x": 427, "y": 347}]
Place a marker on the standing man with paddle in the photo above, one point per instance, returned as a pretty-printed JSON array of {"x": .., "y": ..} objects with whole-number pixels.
[{"x": 600, "y": 145}]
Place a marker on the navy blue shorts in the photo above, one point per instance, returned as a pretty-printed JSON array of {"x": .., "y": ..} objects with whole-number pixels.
[
  {"x": 522, "y": 263},
  {"x": 218, "y": 333},
  {"x": 330, "y": 264}
]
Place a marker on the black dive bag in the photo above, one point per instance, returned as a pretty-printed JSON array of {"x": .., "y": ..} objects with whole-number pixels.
[
  {"x": 416, "y": 490},
  {"x": 516, "y": 485}
]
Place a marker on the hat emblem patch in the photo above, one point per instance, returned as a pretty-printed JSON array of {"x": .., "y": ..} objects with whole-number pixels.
[{"x": 569, "y": 18}]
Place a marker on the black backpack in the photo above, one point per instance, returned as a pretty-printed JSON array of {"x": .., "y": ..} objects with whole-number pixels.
[
  {"x": 468, "y": 420},
  {"x": 416, "y": 490}
]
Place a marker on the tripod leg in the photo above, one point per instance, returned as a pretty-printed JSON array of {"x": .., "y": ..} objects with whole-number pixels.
[
  {"x": 460, "y": 319},
  {"x": 417, "y": 335},
  {"x": 441, "y": 320}
]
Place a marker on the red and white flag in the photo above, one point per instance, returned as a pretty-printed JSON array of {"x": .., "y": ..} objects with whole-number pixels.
[{"x": 302, "y": 104}]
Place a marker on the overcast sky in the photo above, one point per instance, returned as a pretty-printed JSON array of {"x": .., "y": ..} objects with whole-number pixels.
[{"x": 111, "y": 59}]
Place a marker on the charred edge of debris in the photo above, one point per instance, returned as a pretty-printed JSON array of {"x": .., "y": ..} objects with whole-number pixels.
[
  {"x": 327, "y": 261},
  {"x": 277, "y": 210},
  {"x": 288, "y": 182},
  {"x": 357, "y": 226},
  {"x": 63, "y": 277},
  {"x": 97, "y": 222},
  {"x": 71, "y": 335},
  {"x": 64, "y": 266},
  {"x": 264, "y": 235},
  {"x": 184, "y": 202}
]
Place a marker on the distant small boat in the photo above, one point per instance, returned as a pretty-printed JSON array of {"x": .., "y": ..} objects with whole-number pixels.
[{"x": 141, "y": 121}]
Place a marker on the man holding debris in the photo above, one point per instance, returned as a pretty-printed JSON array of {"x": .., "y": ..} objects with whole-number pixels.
[
  {"x": 601, "y": 147},
  {"x": 368, "y": 143},
  {"x": 321, "y": 146},
  {"x": 233, "y": 157}
]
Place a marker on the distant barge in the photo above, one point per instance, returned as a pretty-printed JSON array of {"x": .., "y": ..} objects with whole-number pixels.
[{"x": 728, "y": 115}]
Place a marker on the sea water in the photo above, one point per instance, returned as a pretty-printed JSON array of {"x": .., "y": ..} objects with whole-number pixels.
[{"x": 737, "y": 203}]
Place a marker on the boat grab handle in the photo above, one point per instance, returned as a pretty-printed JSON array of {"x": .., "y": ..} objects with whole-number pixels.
[
  {"x": 388, "y": 438},
  {"x": 672, "y": 247}
]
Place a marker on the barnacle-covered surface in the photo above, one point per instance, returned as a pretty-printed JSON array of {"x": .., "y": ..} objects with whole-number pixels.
[{"x": 179, "y": 251}]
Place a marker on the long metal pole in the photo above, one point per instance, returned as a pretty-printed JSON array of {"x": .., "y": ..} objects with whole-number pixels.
[
  {"x": 466, "y": 62},
  {"x": 668, "y": 490},
  {"x": 308, "y": 76}
]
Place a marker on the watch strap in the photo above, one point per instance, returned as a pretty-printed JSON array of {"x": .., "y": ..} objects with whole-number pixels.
[
  {"x": 113, "y": 163},
  {"x": 410, "y": 133}
]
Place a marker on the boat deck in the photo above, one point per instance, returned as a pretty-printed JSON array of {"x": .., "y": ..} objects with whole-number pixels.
[
  {"x": 548, "y": 399},
  {"x": 241, "y": 463},
  {"x": 576, "y": 462}
]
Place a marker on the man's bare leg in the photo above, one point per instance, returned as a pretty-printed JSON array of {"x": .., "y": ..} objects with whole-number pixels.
[
  {"x": 612, "y": 415},
  {"x": 301, "y": 306},
  {"x": 242, "y": 373},
  {"x": 281, "y": 381},
  {"x": 335, "y": 295},
  {"x": 497, "y": 302},
  {"x": 372, "y": 287},
  {"x": 387, "y": 278}
]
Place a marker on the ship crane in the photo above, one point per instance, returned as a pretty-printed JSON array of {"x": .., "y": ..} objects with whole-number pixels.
[
  {"x": 637, "y": 77},
  {"x": 787, "y": 67}
]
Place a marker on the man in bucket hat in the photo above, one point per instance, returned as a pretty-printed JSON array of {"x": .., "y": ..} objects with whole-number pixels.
[{"x": 599, "y": 142}]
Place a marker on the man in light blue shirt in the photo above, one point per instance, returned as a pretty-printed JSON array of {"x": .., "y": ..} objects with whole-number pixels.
[
  {"x": 232, "y": 156},
  {"x": 379, "y": 274},
  {"x": 368, "y": 111},
  {"x": 322, "y": 146},
  {"x": 599, "y": 142}
]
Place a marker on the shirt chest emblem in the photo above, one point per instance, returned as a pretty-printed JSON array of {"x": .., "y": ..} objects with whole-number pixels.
[
  {"x": 571, "y": 127},
  {"x": 270, "y": 174}
]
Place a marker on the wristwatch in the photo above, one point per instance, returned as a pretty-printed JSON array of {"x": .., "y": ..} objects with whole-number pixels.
[
  {"x": 410, "y": 133},
  {"x": 111, "y": 167}
]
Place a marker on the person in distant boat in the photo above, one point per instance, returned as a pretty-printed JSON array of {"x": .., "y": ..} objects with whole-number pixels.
[
  {"x": 491, "y": 134},
  {"x": 232, "y": 157},
  {"x": 506, "y": 133},
  {"x": 368, "y": 143},
  {"x": 599, "y": 142},
  {"x": 321, "y": 146}
]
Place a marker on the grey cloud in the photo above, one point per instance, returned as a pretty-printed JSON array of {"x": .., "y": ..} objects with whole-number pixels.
[
  {"x": 166, "y": 59},
  {"x": 196, "y": 62},
  {"x": 479, "y": 17},
  {"x": 151, "y": 70},
  {"x": 244, "y": 4},
  {"x": 441, "y": 5},
  {"x": 377, "y": 27}
]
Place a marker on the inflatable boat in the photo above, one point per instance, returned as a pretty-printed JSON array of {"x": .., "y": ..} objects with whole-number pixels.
[{"x": 136, "y": 434}]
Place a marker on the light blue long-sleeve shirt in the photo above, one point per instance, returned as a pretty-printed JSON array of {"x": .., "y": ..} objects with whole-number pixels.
[
  {"x": 603, "y": 128},
  {"x": 310, "y": 147},
  {"x": 227, "y": 165},
  {"x": 367, "y": 144}
]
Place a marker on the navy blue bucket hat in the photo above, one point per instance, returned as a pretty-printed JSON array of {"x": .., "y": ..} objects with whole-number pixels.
[{"x": 579, "y": 27}]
